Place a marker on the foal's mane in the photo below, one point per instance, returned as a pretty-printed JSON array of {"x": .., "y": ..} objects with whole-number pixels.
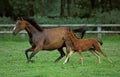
[
  {"x": 33, "y": 23},
  {"x": 72, "y": 34}
]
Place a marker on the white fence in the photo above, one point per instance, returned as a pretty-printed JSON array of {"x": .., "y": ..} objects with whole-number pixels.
[{"x": 99, "y": 30}]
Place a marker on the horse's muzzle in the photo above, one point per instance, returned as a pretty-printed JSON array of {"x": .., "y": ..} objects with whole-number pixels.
[{"x": 14, "y": 32}]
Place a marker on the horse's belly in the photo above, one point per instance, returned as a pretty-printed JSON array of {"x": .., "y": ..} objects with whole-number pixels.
[{"x": 53, "y": 46}]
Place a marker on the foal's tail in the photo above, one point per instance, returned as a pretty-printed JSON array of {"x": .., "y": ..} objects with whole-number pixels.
[{"x": 100, "y": 41}]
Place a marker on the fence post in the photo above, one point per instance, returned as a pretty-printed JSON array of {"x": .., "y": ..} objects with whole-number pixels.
[{"x": 99, "y": 31}]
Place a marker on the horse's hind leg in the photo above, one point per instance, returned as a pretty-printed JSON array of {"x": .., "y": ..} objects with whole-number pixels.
[
  {"x": 62, "y": 54},
  {"x": 95, "y": 53},
  {"x": 104, "y": 54}
]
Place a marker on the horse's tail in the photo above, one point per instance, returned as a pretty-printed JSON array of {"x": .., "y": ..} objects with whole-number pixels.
[
  {"x": 100, "y": 41},
  {"x": 81, "y": 30}
]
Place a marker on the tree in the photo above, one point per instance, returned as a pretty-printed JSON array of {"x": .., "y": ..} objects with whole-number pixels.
[
  {"x": 70, "y": 8},
  {"x": 5, "y": 8},
  {"x": 62, "y": 8}
]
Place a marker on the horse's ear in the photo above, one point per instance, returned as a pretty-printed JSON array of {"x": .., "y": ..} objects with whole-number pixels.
[
  {"x": 21, "y": 18},
  {"x": 18, "y": 18}
]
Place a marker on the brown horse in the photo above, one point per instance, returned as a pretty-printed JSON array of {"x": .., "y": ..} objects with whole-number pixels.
[
  {"x": 79, "y": 45},
  {"x": 41, "y": 39}
]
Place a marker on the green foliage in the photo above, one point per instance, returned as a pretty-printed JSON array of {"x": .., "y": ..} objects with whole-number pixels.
[
  {"x": 32, "y": 7},
  {"x": 75, "y": 11},
  {"x": 5, "y": 8},
  {"x": 46, "y": 20},
  {"x": 22, "y": 7},
  {"x": 82, "y": 8},
  {"x": 111, "y": 17},
  {"x": 6, "y": 20}
]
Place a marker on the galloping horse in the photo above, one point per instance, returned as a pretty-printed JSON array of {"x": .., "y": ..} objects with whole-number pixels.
[
  {"x": 79, "y": 45},
  {"x": 40, "y": 38}
]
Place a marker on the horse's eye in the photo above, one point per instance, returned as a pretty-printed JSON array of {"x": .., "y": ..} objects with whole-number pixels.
[{"x": 19, "y": 23}]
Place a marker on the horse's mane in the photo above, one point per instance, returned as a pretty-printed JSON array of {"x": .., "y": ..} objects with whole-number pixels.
[{"x": 33, "y": 23}]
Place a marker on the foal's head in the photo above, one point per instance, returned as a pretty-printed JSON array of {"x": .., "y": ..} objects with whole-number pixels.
[
  {"x": 20, "y": 25},
  {"x": 71, "y": 34}
]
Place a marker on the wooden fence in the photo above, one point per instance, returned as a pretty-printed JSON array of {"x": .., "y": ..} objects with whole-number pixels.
[{"x": 99, "y": 30}]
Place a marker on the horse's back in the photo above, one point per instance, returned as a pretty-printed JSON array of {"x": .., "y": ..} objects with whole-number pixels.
[
  {"x": 54, "y": 37},
  {"x": 61, "y": 31}
]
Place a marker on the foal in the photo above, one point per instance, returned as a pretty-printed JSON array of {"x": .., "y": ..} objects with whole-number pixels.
[{"x": 79, "y": 45}]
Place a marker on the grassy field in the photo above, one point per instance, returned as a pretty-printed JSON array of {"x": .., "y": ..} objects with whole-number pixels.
[{"x": 13, "y": 61}]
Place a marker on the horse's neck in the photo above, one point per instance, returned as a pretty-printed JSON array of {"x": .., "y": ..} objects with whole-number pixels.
[{"x": 31, "y": 30}]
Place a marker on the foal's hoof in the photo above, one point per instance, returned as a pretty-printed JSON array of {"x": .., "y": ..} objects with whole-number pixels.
[
  {"x": 110, "y": 61},
  {"x": 64, "y": 62}
]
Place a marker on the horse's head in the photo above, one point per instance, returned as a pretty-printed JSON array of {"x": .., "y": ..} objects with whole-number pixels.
[{"x": 20, "y": 25}]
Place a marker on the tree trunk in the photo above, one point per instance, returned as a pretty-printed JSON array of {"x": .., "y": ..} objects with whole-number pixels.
[
  {"x": 110, "y": 4},
  {"x": 102, "y": 5},
  {"x": 62, "y": 11},
  {"x": 92, "y": 4},
  {"x": 70, "y": 7},
  {"x": 43, "y": 8}
]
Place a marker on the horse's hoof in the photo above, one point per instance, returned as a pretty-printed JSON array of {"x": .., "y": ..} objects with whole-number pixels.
[
  {"x": 56, "y": 60},
  {"x": 27, "y": 62},
  {"x": 32, "y": 61}
]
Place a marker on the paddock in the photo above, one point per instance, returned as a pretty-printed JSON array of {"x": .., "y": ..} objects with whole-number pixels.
[{"x": 13, "y": 62}]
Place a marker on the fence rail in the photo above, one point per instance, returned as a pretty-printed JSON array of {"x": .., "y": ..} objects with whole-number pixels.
[{"x": 99, "y": 30}]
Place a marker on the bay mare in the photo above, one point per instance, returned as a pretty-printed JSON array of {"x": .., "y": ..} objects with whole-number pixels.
[{"x": 40, "y": 38}]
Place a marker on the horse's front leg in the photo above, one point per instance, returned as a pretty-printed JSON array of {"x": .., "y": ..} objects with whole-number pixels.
[
  {"x": 26, "y": 53},
  {"x": 33, "y": 53}
]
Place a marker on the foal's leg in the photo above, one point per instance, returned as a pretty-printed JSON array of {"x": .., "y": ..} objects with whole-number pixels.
[
  {"x": 80, "y": 53},
  {"x": 94, "y": 53},
  {"x": 62, "y": 54},
  {"x": 68, "y": 56},
  {"x": 103, "y": 53},
  {"x": 68, "y": 49}
]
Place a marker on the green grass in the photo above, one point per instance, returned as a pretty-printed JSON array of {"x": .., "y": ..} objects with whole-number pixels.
[{"x": 13, "y": 61}]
